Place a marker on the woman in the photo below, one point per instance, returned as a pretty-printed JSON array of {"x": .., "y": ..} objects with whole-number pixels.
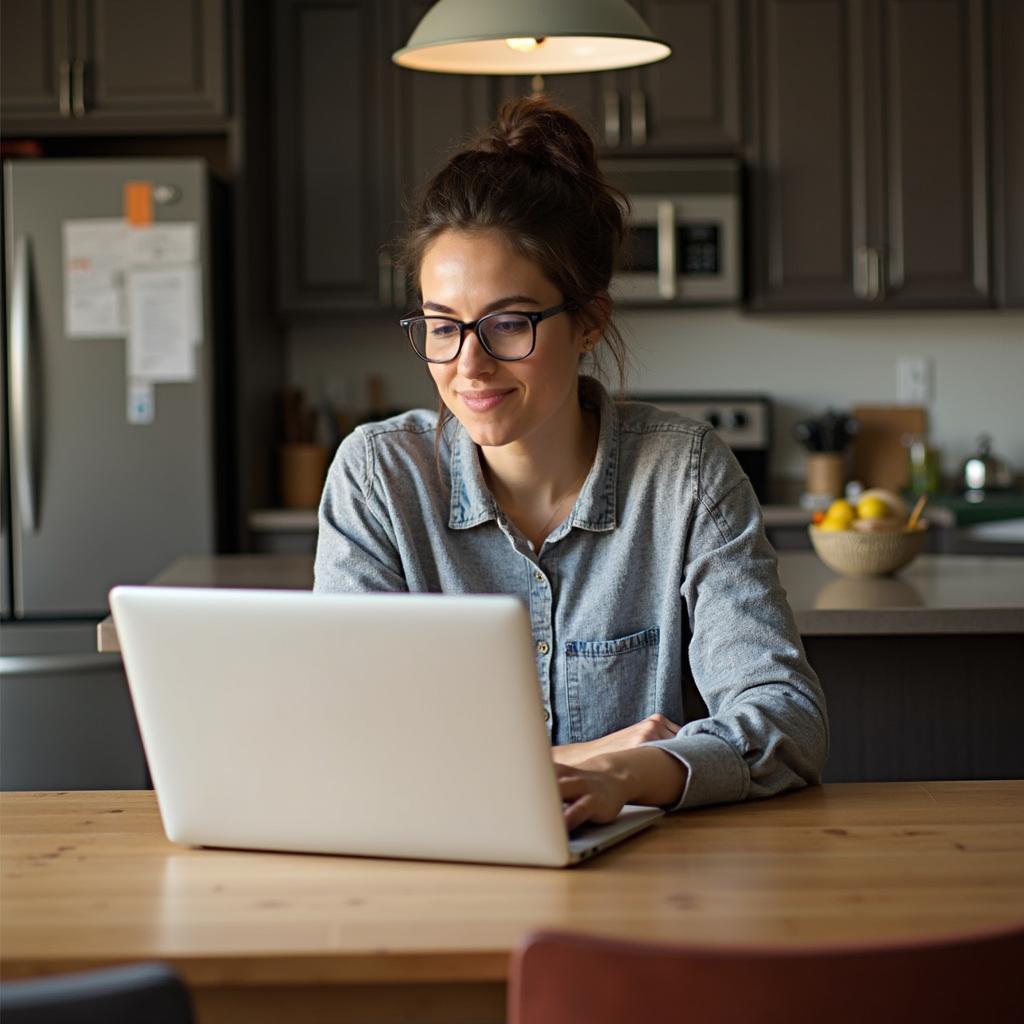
[{"x": 631, "y": 534}]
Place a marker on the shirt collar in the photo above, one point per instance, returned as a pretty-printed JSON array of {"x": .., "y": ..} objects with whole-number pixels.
[{"x": 473, "y": 504}]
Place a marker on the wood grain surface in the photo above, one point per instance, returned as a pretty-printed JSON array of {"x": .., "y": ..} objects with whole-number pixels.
[{"x": 89, "y": 879}]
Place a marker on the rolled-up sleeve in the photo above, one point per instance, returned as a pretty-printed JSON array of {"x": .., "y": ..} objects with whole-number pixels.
[
  {"x": 356, "y": 550},
  {"x": 767, "y": 728}
]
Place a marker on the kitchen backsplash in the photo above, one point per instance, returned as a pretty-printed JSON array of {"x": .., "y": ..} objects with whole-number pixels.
[{"x": 804, "y": 363}]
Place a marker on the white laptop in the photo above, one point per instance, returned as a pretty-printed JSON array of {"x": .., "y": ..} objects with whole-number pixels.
[{"x": 383, "y": 725}]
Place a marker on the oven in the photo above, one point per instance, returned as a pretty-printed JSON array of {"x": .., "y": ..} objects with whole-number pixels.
[{"x": 743, "y": 421}]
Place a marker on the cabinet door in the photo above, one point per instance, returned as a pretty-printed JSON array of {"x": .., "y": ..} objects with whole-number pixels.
[
  {"x": 810, "y": 202},
  {"x": 1008, "y": 150},
  {"x": 158, "y": 58},
  {"x": 936, "y": 238},
  {"x": 689, "y": 102},
  {"x": 433, "y": 116},
  {"x": 35, "y": 50},
  {"x": 330, "y": 71}
]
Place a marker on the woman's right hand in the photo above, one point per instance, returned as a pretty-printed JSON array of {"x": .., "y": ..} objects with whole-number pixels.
[{"x": 654, "y": 727}]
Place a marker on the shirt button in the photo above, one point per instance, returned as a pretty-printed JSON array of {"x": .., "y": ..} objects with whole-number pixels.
[
  {"x": 547, "y": 715},
  {"x": 539, "y": 576},
  {"x": 542, "y": 647}
]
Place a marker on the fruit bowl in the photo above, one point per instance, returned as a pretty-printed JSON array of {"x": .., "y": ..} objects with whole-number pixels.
[{"x": 856, "y": 553}]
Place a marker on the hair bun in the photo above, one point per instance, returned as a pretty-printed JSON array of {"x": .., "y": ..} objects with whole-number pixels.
[{"x": 536, "y": 129}]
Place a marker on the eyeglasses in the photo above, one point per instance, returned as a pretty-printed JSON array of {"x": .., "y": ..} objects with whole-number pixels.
[{"x": 508, "y": 336}]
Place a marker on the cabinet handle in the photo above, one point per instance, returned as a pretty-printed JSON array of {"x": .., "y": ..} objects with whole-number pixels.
[
  {"x": 384, "y": 281},
  {"x": 860, "y": 272},
  {"x": 874, "y": 276},
  {"x": 668, "y": 280},
  {"x": 612, "y": 118},
  {"x": 638, "y": 117},
  {"x": 867, "y": 274},
  {"x": 65, "y": 88},
  {"x": 78, "y": 92}
]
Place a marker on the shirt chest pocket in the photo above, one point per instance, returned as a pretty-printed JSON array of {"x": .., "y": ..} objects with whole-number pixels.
[{"x": 610, "y": 683}]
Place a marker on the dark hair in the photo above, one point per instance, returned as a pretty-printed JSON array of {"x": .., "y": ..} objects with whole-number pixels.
[{"x": 533, "y": 175}]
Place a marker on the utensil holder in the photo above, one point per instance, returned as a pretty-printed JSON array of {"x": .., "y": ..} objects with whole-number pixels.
[
  {"x": 302, "y": 469},
  {"x": 826, "y": 473}
]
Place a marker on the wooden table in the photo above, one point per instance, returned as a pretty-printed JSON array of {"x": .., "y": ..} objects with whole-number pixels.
[{"x": 89, "y": 879}]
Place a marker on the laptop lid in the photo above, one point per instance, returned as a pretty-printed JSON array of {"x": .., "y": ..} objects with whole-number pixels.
[{"x": 398, "y": 725}]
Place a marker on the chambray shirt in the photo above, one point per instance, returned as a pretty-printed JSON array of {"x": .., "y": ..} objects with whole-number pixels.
[{"x": 658, "y": 593}]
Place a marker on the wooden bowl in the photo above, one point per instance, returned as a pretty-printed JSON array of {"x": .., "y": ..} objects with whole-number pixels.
[{"x": 852, "y": 553}]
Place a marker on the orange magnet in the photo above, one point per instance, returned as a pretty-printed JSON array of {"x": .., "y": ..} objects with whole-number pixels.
[{"x": 138, "y": 203}]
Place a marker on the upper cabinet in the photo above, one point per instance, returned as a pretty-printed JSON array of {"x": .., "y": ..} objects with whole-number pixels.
[
  {"x": 431, "y": 116},
  {"x": 867, "y": 133},
  {"x": 334, "y": 155},
  {"x": 86, "y": 66},
  {"x": 1007, "y": 34},
  {"x": 356, "y": 136},
  {"x": 688, "y": 103},
  {"x": 870, "y": 154},
  {"x": 35, "y": 72},
  {"x": 691, "y": 101}
]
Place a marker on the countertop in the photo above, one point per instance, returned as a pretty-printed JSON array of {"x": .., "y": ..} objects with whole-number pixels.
[
  {"x": 89, "y": 879},
  {"x": 285, "y": 520},
  {"x": 934, "y": 594}
]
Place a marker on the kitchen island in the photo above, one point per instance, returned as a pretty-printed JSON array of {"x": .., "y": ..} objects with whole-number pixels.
[{"x": 922, "y": 670}]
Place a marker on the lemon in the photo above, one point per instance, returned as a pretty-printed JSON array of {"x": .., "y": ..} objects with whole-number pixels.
[
  {"x": 873, "y": 508},
  {"x": 831, "y": 522},
  {"x": 841, "y": 511}
]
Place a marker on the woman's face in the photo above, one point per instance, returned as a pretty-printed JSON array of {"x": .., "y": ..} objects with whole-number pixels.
[{"x": 530, "y": 402}]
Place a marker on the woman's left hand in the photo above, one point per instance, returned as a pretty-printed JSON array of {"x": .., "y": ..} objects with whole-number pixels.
[
  {"x": 596, "y": 789},
  {"x": 592, "y": 791}
]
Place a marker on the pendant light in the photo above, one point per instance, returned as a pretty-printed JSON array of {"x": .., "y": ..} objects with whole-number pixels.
[{"x": 530, "y": 37}]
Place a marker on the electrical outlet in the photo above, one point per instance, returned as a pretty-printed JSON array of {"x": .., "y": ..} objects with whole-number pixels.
[{"x": 914, "y": 380}]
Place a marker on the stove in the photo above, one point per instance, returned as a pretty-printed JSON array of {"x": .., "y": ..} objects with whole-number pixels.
[{"x": 742, "y": 421}]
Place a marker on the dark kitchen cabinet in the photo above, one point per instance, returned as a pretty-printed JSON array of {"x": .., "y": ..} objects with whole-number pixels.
[
  {"x": 870, "y": 154},
  {"x": 1007, "y": 34},
  {"x": 356, "y": 137},
  {"x": 35, "y": 72},
  {"x": 691, "y": 101},
  {"x": 87, "y": 66},
  {"x": 688, "y": 103},
  {"x": 432, "y": 115},
  {"x": 332, "y": 174}
]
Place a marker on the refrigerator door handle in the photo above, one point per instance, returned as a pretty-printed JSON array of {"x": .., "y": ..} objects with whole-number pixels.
[{"x": 23, "y": 418}]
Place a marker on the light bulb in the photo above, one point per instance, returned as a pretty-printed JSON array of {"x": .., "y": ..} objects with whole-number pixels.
[{"x": 523, "y": 45}]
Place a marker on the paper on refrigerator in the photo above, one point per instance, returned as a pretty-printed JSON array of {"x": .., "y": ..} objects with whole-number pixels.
[
  {"x": 94, "y": 264},
  {"x": 161, "y": 324},
  {"x": 98, "y": 256}
]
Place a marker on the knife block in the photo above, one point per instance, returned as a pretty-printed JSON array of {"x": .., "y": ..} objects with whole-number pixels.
[
  {"x": 302, "y": 469},
  {"x": 826, "y": 474}
]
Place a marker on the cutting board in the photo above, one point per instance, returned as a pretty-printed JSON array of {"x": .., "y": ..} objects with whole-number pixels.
[{"x": 879, "y": 456}]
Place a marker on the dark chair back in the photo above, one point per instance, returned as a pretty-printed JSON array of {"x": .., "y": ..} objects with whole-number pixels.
[
  {"x": 152, "y": 993},
  {"x": 562, "y": 978}
]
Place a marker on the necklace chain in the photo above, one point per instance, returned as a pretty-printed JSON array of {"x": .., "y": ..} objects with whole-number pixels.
[{"x": 561, "y": 501}]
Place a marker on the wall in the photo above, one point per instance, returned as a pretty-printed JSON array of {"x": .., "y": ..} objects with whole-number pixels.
[{"x": 805, "y": 362}]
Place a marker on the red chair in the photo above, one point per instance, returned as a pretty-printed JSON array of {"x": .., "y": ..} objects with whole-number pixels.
[{"x": 574, "y": 979}]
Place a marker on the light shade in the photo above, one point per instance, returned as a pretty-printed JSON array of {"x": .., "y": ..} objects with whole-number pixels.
[{"x": 495, "y": 37}]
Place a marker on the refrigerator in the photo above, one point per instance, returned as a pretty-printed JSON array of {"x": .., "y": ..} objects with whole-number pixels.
[{"x": 107, "y": 442}]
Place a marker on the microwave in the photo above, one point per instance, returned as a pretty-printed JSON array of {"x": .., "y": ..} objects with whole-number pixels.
[{"x": 683, "y": 242}]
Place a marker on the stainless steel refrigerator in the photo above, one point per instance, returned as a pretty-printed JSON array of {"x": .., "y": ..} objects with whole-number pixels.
[{"x": 108, "y": 475}]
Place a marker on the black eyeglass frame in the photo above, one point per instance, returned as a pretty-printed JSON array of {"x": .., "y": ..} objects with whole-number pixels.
[{"x": 465, "y": 327}]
